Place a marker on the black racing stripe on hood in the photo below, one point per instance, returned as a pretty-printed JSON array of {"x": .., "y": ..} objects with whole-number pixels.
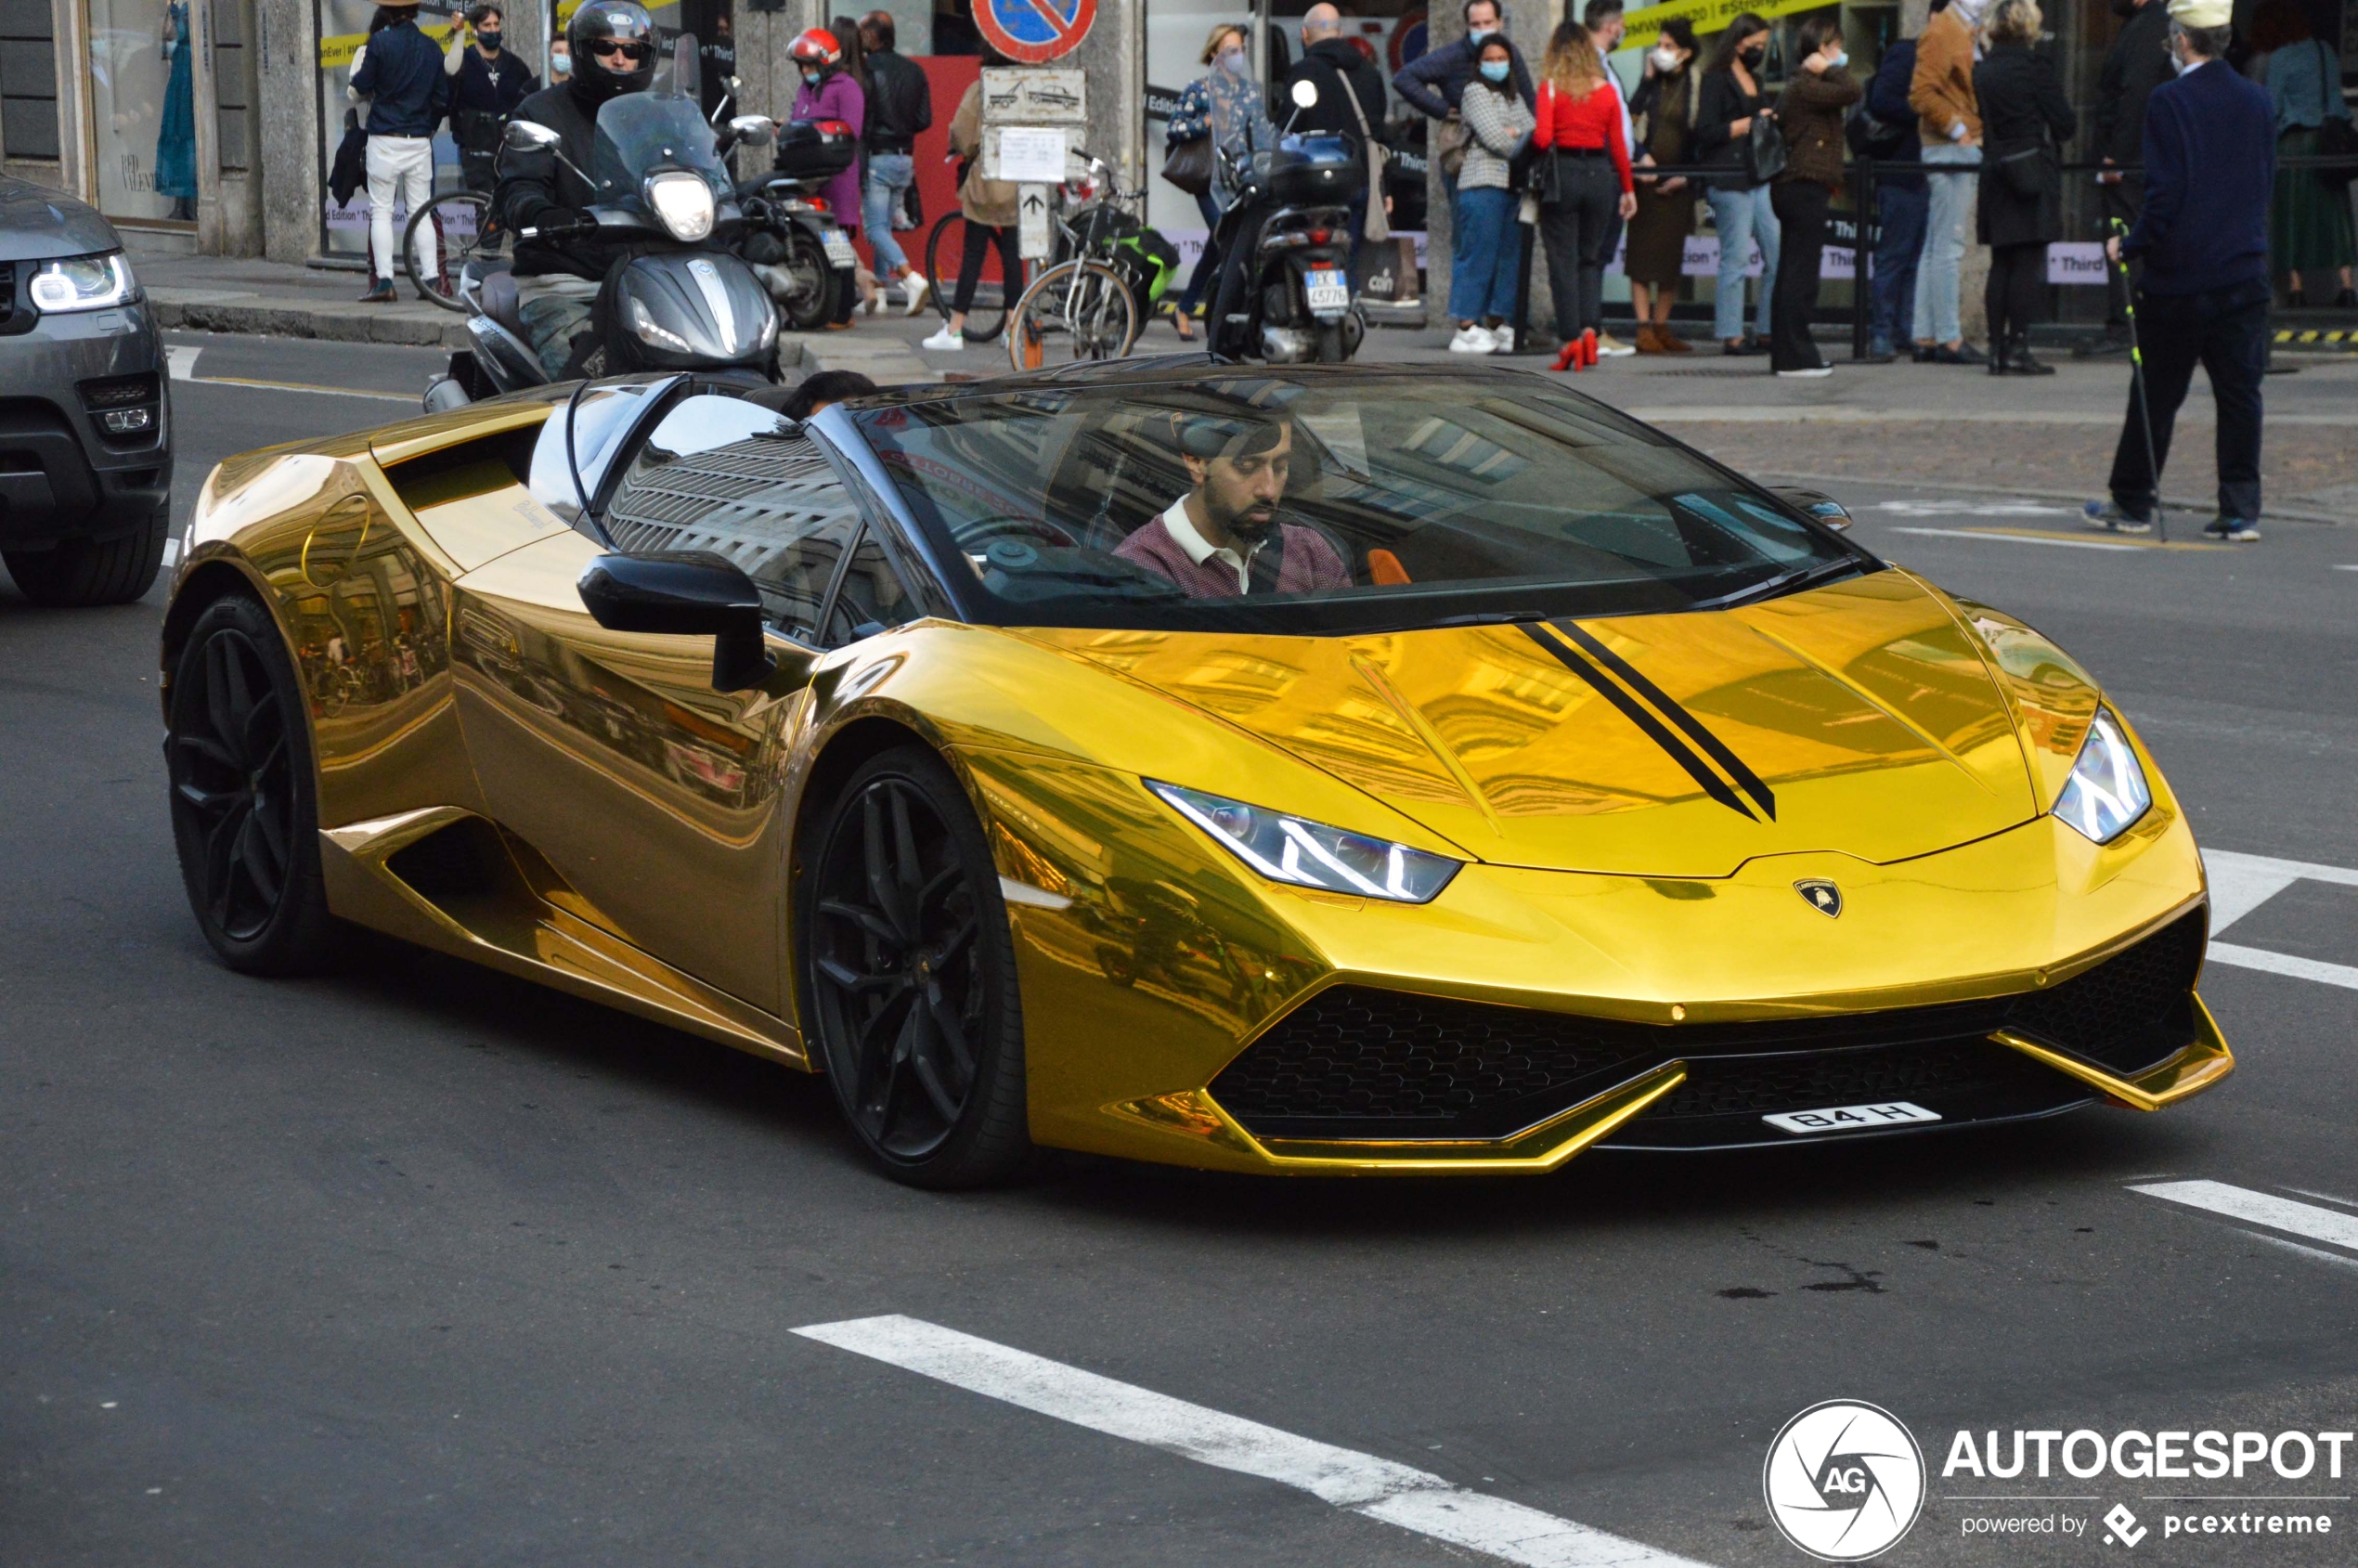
[
  {"x": 1678, "y": 750},
  {"x": 1716, "y": 749}
]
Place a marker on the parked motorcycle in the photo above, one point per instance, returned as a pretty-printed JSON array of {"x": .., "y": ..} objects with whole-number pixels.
[
  {"x": 669, "y": 302},
  {"x": 1292, "y": 209},
  {"x": 796, "y": 246}
]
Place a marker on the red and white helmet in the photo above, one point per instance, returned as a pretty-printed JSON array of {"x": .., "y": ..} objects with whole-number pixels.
[{"x": 816, "y": 46}]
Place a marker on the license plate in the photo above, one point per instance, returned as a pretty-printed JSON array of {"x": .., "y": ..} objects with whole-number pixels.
[
  {"x": 1328, "y": 290},
  {"x": 839, "y": 250},
  {"x": 1851, "y": 1119}
]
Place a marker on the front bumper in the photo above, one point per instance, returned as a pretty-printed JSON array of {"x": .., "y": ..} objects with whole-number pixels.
[{"x": 62, "y": 476}]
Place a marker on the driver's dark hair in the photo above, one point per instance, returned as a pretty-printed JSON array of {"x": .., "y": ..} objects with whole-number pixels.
[
  {"x": 827, "y": 386},
  {"x": 1239, "y": 434}
]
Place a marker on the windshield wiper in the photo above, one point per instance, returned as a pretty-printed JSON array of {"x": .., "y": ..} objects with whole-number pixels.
[{"x": 1783, "y": 582}]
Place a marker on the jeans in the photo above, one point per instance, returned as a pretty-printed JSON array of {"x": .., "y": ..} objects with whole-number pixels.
[
  {"x": 402, "y": 167},
  {"x": 2226, "y": 331},
  {"x": 1899, "y": 247},
  {"x": 1483, "y": 258},
  {"x": 1937, "y": 275},
  {"x": 1577, "y": 230},
  {"x": 889, "y": 173},
  {"x": 1801, "y": 216},
  {"x": 1743, "y": 218},
  {"x": 1207, "y": 264}
]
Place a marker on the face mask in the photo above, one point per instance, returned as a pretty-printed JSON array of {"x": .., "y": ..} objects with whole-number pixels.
[
  {"x": 1753, "y": 57},
  {"x": 489, "y": 40},
  {"x": 1494, "y": 71},
  {"x": 1233, "y": 62},
  {"x": 1665, "y": 59},
  {"x": 1475, "y": 35},
  {"x": 1834, "y": 60},
  {"x": 811, "y": 76},
  {"x": 560, "y": 65}
]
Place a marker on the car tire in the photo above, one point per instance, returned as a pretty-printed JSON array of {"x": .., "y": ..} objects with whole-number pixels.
[
  {"x": 78, "y": 574},
  {"x": 909, "y": 976},
  {"x": 244, "y": 814}
]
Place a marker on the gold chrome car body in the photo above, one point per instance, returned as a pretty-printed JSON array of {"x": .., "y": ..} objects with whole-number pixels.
[{"x": 640, "y": 826}]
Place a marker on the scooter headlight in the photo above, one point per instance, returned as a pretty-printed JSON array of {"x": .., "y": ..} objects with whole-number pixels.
[{"x": 681, "y": 202}]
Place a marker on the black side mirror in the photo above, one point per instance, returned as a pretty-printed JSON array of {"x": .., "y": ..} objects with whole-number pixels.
[
  {"x": 687, "y": 593},
  {"x": 1818, "y": 504}
]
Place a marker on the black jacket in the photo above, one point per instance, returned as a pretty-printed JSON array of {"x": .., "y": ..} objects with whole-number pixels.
[
  {"x": 2133, "y": 67},
  {"x": 403, "y": 80},
  {"x": 1887, "y": 101},
  {"x": 2022, "y": 111},
  {"x": 535, "y": 188},
  {"x": 1332, "y": 65},
  {"x": 484, "y": 93},
  {"x": 1724, "y": 103},
  {"x": 899, "y": 103},
  {"x": 1434, "y": 81}
]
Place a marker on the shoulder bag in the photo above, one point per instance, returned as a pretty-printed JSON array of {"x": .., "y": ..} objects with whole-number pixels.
[
  {"x": 1379, "y": 225},
  {"x": 1187, "y": 164}
]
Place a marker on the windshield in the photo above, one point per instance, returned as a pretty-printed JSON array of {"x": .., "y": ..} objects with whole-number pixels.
[
  {"x": 1311, "y": 501},
  {"x": 661, "y": 128}
]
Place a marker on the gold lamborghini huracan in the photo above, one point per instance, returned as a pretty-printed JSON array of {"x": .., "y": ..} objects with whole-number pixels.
[{"x": 1338, "y": 769}]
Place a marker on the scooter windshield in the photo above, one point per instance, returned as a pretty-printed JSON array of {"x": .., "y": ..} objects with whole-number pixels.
[{"x": 639, "y": 133}]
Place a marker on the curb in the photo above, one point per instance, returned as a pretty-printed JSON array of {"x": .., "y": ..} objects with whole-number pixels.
[{"x": 440, "y": 329}]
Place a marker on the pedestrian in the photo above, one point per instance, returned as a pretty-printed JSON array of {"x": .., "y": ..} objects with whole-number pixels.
[
  {"x": 560, "y": 59},
  {"x": 989, "y": 210},
  {"x": 2136, "y": 64},
  {"x": 1811, "y": 112},
  {"x": 1191, "y": 121},
  {"x": 1739, "y": 205},
  {"x": 1583, "y": 177},
  {"x": 1949, "y": 123},
  {"x": 830, "y": 91},
  {"x": 1485, "y": 257},
  {"x": 1434, "y": 83},
  {"x": 2210, "y": 156},
  {"x": 900, "y": 106},
  {"x": 1664, "y": 110},
  {"x": 2023, "y": 114},
  {"x": 399, "y": 72},
  {"x": 1603, "y": 21},
  {"x": 1902, "y": 200},
  {"x": 486, "y": 82},
  {"x": 1241, "y": 127},
  {"x": 2308, "y": 225},
  {"x": 1351, "y": 100}
]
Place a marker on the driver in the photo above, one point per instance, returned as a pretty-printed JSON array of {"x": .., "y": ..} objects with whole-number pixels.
[
  {"x": 613, "y": 43},
  {"x": 1222, "y": 539}
]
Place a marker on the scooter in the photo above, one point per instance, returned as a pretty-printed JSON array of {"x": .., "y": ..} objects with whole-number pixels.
[
  {"x": 798, "y": 247},
  {"x": 1293, "y": 208},
  {"x": 669, "y": 302}
]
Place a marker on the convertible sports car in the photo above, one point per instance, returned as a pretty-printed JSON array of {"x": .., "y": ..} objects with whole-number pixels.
[{"x": 1324, "y": 770}]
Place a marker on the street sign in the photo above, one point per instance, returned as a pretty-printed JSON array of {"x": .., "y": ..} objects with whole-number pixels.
[
  {"x": 1034, "y": 32},
  {"x": 1056, "y": 97},
  {"x": 1032, "y": 223},
  {"x": 1024, "y": 153}
]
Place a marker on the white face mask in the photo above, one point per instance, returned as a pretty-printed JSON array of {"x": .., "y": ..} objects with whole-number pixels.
[{"x": 1666, "y": 58}]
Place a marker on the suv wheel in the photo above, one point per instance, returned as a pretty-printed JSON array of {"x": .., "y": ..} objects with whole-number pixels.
[{"x": 77, "y": 573}]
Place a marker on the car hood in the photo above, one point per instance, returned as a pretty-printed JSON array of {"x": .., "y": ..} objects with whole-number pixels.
[
  {"x": 39, "y": 224},
  {"x": 1868, "y": 718}
]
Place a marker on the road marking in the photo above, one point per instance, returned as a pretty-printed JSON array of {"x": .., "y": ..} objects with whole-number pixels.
[
  {"x": 2352, "y": 567},
  {"x": 171, "y": 552},
  {"x": 2337, "y": 1258},
  {"x": 1992, "y": 534},
  {"x": 1975, "y": 508},
  {"x": 182, "y": 360},
  {"x": 300, "y": 386},
  {"x": 2341, "y": 975},
  {"x": 1362, "y": 1484},
  {"x": 2260, "y": 1208},
  {"x": 2240, "y": 884}
]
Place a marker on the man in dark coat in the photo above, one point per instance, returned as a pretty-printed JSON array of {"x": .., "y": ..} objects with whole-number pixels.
[
  {"x": 2209, "y": 154},
  {"x": 1902, "y": 204},
  {"x": 488, "y": 83},
  {"x": 2136, "y": 64},
  {"x": 1342, "y": 74},
  {"x": 1434, "y": 81}
]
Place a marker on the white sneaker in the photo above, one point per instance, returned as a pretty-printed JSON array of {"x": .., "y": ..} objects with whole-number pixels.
[
  {"x": 1610, "y": 347},
  {"x": 1474, "y": 339},
  {"x": 1818, "y": 371},
  {"x": 1502, "y": 340},
  {"x": 947, "y": 341},
  {"x": 913, "y": 285}
]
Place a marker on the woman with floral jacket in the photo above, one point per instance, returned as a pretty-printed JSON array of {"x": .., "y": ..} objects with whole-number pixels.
[{"x": 1227, "y": 106}]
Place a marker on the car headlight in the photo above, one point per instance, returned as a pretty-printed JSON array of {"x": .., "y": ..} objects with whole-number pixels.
[
  {"x": 681, "y": 202},
  {"x": 2106, "y": 791},
  {"x": 1310, "y": 854},
  {"x": 83, "y": 283}
]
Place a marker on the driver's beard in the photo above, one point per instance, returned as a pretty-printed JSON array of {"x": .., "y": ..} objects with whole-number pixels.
[{"x": 1249, "y": 530}]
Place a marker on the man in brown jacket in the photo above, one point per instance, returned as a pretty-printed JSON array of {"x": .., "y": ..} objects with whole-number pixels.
[{"x": 1941, "y": 94}]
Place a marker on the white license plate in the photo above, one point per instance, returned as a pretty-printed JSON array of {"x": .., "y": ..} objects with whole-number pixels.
[
  {"x": 1851, "y": 1119},
  {"x": 839, "y": 250},
  {"x": 1328, "y": 290}
]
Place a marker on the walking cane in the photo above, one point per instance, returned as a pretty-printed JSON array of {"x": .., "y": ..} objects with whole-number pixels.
[{"x": 2137, "y": 380}]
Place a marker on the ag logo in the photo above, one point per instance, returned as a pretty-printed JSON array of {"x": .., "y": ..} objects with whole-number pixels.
[
  {"x": 1844, "y": 1480},
  {"x": 1823, "y": 896}
]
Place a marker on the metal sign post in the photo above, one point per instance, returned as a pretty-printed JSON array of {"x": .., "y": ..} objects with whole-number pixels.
[{"x": 1032, "y": 222}]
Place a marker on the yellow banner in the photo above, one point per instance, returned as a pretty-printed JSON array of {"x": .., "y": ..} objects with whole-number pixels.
[
  {"x": 1710, "y": 16},
  {"x": 336, "y": 53}
]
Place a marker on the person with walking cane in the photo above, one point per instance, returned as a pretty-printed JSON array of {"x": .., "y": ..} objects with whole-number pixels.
[{"x": 2210, "y": 156}]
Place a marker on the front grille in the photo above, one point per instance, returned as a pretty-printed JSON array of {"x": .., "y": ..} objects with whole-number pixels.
[{"x": 1359, "y": 1062}]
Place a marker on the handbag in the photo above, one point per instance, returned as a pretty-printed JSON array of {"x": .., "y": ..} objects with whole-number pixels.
[
  {"x": 2024, "y": 171},
  {"x": 1764, "y": 149},
  {"x": 2336, "y": 137},
  {"x": 1187, "y": 164},
  {"x": 1379, "y": 226},
  {"x": 350, "y": 170},
  {"x": 1450, "y": 139}
]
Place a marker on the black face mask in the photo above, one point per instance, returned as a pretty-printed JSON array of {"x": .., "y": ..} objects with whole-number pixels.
[
  {"x": 490, "y": 42},
  {"x": 1751, "y": 58}
]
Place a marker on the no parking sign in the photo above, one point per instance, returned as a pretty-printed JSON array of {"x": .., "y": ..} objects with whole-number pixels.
[{"x": 1031, "y": 31}]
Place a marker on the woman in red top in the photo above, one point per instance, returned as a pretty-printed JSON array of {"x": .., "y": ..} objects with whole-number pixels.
[{"x": 1583, "y": 176}]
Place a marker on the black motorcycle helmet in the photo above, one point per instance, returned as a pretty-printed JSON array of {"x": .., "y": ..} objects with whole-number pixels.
[{"x": 611, "y": 23}]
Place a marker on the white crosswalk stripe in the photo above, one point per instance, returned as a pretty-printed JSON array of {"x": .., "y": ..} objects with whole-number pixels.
[
  {"x": 2330, "y": 1225},
  {"x": 2240, "y": 884}
]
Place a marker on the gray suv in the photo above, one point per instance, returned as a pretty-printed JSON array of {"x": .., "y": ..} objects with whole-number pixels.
[{"x": 85, "y": 408}]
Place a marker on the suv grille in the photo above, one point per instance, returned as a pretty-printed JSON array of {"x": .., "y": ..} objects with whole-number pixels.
[{"x": 1358, "y": 1062}]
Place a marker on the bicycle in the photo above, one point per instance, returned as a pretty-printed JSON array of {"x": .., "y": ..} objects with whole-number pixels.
[
  {"x": 464, "y": 232},
  {"x": 1095, "y": 302}
]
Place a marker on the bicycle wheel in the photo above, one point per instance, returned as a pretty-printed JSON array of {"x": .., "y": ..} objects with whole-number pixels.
[
  {"x": 463, "y": 231},
  {"x": 945, "y": 247},
  {"x": 1076, "y": 311}
]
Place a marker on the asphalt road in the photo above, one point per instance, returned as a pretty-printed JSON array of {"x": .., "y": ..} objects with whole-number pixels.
[{"x": 415, "y": 1265}]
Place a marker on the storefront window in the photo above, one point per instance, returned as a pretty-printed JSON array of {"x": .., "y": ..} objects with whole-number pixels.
[
  {"x": 143, "y": 124},
  {"x": 343, "y": 27}
]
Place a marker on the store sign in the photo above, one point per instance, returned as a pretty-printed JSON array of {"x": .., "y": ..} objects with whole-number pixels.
[{"x": 1034, "y": 32}]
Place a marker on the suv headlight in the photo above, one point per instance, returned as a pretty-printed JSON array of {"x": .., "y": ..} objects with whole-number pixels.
[
  {"x": 2106, "y": 791},
  {"x": 83, "y": 283},
  {"x": 681, "y": 202},
  {"x": 1310, "y": 854}
]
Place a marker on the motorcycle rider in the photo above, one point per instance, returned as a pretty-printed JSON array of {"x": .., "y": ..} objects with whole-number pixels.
[{"x": 612, "y": 44}]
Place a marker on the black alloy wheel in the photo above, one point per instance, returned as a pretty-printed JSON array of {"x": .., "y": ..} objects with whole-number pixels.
[
  {"x": 910, "y": 975},
  {"x": 237, "y": 752}
]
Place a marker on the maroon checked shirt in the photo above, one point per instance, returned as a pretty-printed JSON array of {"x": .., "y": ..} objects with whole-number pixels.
[{"x": 1170, "y": 547}]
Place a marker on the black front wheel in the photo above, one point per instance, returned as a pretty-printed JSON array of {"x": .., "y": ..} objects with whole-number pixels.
[
  {"x": 909, "y": 976},
  {"x": 237, "y": 751},
  {"x": 813, "y": 293}
]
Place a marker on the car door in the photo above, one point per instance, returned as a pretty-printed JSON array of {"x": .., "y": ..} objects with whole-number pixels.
[{"x": 654, "y": 799}]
